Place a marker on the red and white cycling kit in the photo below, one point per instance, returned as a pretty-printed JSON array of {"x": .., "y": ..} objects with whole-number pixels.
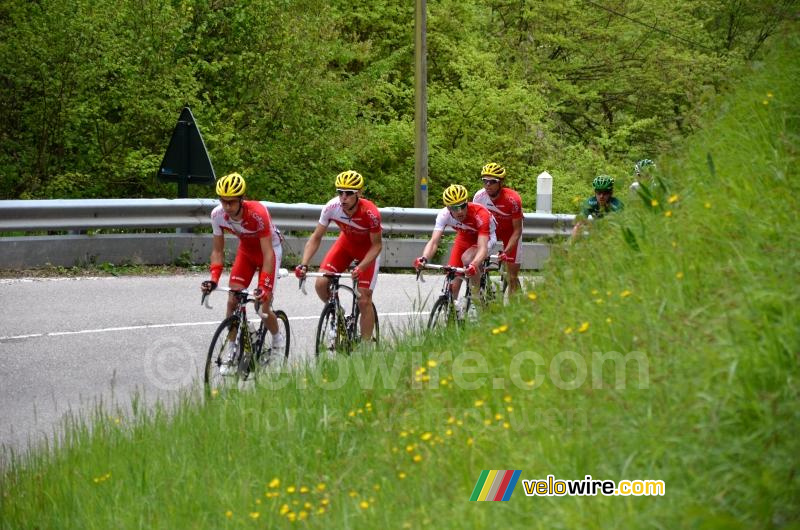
[
  {"x": 478, "y": 222},
  {"x": 354, "y": 240},
  {"x": 254, "y": 224},
  {"x": 505, "y": 208}
]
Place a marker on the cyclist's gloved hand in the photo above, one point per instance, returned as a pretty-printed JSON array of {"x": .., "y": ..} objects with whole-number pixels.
[
  {"x": 216, "y": 272},
  {"x": 300, "y": 271},
  {"x": 420, "y": 262},
  {"x": 471, "y": 270},
  {"x": 262, "y": 294},
  {"x": 355, "y": 273},
  {"x": 208, "y": 286},
  {"x": 505, "y": 257}
]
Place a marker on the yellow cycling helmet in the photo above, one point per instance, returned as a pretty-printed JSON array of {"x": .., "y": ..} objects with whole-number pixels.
[
  {"x": 493, "y": 170},
  {"x": 454, "y": 194},
  {"x": 349, "y": 180},
  {"x": 231, "y": 186}
]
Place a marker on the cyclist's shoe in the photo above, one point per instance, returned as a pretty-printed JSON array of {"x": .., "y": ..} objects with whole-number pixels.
[
  {"x": 279, "y": 342},
  {"x": 227, "y": 367}
]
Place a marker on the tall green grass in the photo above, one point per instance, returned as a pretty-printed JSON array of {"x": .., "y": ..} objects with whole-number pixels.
[{"x": 698, "y": 304}]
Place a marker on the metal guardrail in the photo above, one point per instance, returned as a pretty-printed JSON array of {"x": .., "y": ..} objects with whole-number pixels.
[{"x": 91, "y": 214}]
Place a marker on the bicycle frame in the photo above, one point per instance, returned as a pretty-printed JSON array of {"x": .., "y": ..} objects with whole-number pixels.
[{"x": 345, "y": 324}]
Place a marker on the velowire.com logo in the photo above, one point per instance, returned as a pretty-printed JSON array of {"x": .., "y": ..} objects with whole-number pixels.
[{"x": 495, "y": 485}]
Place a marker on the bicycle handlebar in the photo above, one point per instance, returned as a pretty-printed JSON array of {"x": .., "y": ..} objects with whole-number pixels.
[
  {"x": 256, "y": 302},
  {"x": 302, "y": 285}
]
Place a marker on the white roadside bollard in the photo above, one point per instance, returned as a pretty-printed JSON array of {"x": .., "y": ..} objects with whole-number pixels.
[{"x": 544, "y": 193}]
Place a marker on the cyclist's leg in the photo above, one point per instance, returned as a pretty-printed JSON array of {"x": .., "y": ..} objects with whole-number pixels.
[
  {"x": 336, "y": 260},
  {"x": 460, "y": 245},
  {"x": 244, "y": 266},
  {"x": 366, "y": 285},
  {"x": 272, "y": 321},
  {"x": 512, "y": 268},
  {"x": 466, "y": 258}
]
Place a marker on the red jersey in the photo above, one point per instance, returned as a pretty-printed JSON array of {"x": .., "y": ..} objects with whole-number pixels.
[
  {"x": 254, "y": 224},
  {"x": 478, "y": 222},
  {"x": 356, "y": 228},
  {"x": 505, "y": 208}
]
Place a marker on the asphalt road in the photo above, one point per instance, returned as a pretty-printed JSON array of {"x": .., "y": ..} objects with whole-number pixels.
[{"x": 69, "y": 344}]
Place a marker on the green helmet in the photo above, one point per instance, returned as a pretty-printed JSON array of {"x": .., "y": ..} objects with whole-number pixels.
[
  {"x": 641, "y": 165},
  {"x": 603, "y": 183}
]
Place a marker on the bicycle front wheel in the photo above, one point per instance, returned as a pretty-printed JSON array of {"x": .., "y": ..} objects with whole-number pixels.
[
  {"x": 331, "y": 331},
  {"x": 218, "y": 352},
  {"x": 442, "y": 314}
]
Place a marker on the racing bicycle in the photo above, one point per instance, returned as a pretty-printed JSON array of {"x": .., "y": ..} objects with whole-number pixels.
[{"x": 339, "y": 330}]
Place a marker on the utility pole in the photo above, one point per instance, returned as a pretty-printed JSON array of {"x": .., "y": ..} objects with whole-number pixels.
[{"x": 421, "y": 108}]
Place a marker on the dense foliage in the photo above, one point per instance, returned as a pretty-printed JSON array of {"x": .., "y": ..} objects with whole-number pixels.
[{"x": 295, "y": 91}]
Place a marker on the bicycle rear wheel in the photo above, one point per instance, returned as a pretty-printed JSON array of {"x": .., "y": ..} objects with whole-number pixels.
[
  {"x": 376, "y": 330},
  {"x": 331, "y": 331},
  {"x": 283, "y": 327},
  {"x": 218, "y": 352},
  {"x": 443, "y": 313}
]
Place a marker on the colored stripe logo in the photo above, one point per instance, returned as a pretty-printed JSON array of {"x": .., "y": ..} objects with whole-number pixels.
[{"x": 495, "y": 485}]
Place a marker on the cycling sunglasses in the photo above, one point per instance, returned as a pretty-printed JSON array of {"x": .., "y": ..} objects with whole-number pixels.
[
  {"x": 457, "y": 207},
  {"x": 346, "y": 193},
  {"x": 490, "y": 181}
]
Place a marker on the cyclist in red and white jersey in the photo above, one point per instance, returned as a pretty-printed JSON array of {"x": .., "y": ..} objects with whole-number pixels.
[
  {"x": 506, "y": 206},
  {"x": 259, "y": 250},
  {"x": 475, "y": 234},
  {"x": 360, "y": 239}
]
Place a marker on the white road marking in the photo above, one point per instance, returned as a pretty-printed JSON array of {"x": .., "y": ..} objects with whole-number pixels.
[{"x": 173, "y": 325}]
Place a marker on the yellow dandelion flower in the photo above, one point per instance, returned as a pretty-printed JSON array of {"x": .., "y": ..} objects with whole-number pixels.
[
  {"x": 363, "y": 505},
  {"x": 229, "y": 514},
  {"x": 377, "y": 487},
  {"x": 674, "y": 244},
  {"x": 291, "y": 516},
  {"x": 432, "y": 363},
  {"x": 487, "y": 422},
  {"x": 568, "y": 331},
  {"x": 679, "y": 275},
  {"x": 509, "y": 409},
  {"x": 304, "y": 489},
  {"x": 584, "y": 327},
  {"x": 654, "y": 202},
  {"x": 410, "y": 448},
  {"x": 595, "y": 292},
  {"x": 353, "y": 494},
  {"x": 303, "y": 515},
  {"x": 274, "y": 483},
  {"x": 214, "y": 393},
  {"x": 426, "y": 436},
  {"x": 444, "y": 382},
  {"x": 506, "y": 425},
  {"x": 352, "y": 413},
  {"x": 503, "y": 328},
  {"x": 608, "y": 320},
  {"x": 291, "y": 489},
  {"x": 258, "y": 501},
  {"x": 498, "y": 416},
  {"x": 707, "y": 204},
  {"x": 451, "y": 420},
  {"x": 765, "y": 102},
  {"x": 769, "y": 94},
  {"x": 403, "y": 434},
  {"x": 321, "y": 486},
  {"x": 599, "y": 301},
  {"x": 360, "y": 411},
  {"x": 326, "y": 501},
  {"x": 470, "y": 441},
  {"x": 307, "y": 505},
  {"x": 532, "y": 296},
  {"x": 507, "y": 398},
  {"x": 417, "y": 458},
  {"x": 402, "y": 475},
  {"x": 479, "y": 403},
  {"x": 624, "y": 294},
  {"x": 673, "y": 199},
  {"x": 495, "y": 331},
  {"x": 668, "y": 213},
  {"x": 449, "y": 432},
  {"x": 284, "y": 509},
  {"x": 254, "y": 515},
  {"x": 422, "y": 370},
  {"x": 321, "y": 511}
]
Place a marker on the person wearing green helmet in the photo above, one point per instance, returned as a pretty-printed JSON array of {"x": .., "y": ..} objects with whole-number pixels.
[
  {"x": 600, "y": 204},
  {"x": 643, "y": 173}
]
